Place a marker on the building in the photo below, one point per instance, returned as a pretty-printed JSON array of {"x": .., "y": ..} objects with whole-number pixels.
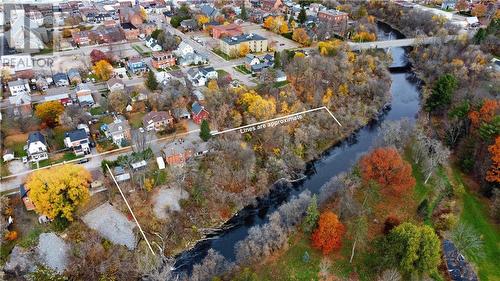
[
  {"x": 60, "y": 79},
  {"x": 77, "y": 140},
  {"x": 84, "y": 95},
  {"x": 8, "y": 155},
  {"x": 231, "y": 45},
  {"x": 81, "y": 38},
  {"x": 25, "y": 34},
  {"x": 137, "y": 65},
  {"x": 130, "y": 32},
  {"x": 19, "y": 87},
  {"x": 157, "y": 120},
  {"x": 209, "y": 11},
  {"x": 199, "y": 112},
  {"x": 230, "y": 30},
  {"x": 333, "y": 16},
  {"x": 41, "y": 83},
  {"x": 74, "y": 76},
  {"x": 115, "y": 84},
  {"x": 63, "y": 98},
  {"x": 118, "y": 131},
  {"x": 36, "y": 147},
  {"x": 178, "y": 152},
  {"x": 189, "y": 25},
  {"x": 448, "y": 4},
  {"x": 162, "y": 59},
  {"x": 21, "y": 105},
  {"x": 23, "y": 193},
  {"x": 271, "y": 5},
  {"x": 184, "y": 49}
]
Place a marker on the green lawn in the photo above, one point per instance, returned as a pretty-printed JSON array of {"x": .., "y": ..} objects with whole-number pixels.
[
  {"x": 475, "y": 214},
  {"x": 241, "y": 68},
  {"x": 135, "y": 119},
  {"x": 221, "y": 54},
  {"x": 280, "y": 84},
  {"x": 96, "y": 111},
  {"x": 222, "y": 72}
]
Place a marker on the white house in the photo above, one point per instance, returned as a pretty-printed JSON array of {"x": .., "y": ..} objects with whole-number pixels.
[
  {"x": 77, "y": 140},
  {"x": 200, "y": 76},
  {"x": 118, "y": 130},
  {"x": 115, "y": 84},
  {"x": 36, "y": 147},
  {"x": 8, "y": 155},
  {"x": 184, "y": 49},
  {"x": 162, "y": 76},
  {"x": 19, "y": 87}
]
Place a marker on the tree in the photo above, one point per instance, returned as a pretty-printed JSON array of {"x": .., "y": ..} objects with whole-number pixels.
[
  {"x": 155, "y": 33},
  {"x": 167, "y": 41},
  {"x": 386, "y": 167},
  {"x": 49, "y": 112},
  {"x": 302, "y": 17},
  {"x": 244, "y": 49},
  {"x": 205, "y": 131},
  {"x": 364, "y": 36},
  {"x": 390, "y": 275},
  {"x": 312, "y": 216},
  {"x": 390, "y": 223},
  {"x": 480, "y": 36},
  {"x": 212, "y": 85},
  {"x": 202, "y": 20},
  {"x": 479, "y": 10},
  {"x": 283, "y": 28},
  {"x": 277, "y": 60},
  {"x": 328, "y": 236},
  {"x": 441, "y": 93},
  {"x": 102, "y": 69},
  {"x": 59, "y": 191},
  {"x": 261, "y": 108},
  {"x": 300, "y": 35},
  {"x": 269, "y": 23},
  {"x": 493, "y": 174},
  {"x": 243, "y": 14},
  {"x": 97, "y": 55},
  {"x": 117, "y": 101},
  {"x": 412, "y": 248},
  {"x": 462, "y": 5},
  {"x": 74, "y": 115},
  {"x": 151, "y": 82},
  {"x": 467, "y": 241},
  {"x": 358, "y": 231}
]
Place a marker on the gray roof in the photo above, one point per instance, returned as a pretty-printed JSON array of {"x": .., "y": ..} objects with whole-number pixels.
[
  {"x": 76, "y": 135},
  {"x": 119, "y": 125},
  {"x": 73, "y": 72},
  {"x": 242, "y": 38},
  {"x": 208, "y": 10},
  {"x": 18, "y": 82},
  {"x": 60, "y": 76},
  {"x": 196, "y": 108}
]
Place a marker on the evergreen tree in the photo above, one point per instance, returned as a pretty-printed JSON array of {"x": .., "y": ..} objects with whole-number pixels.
[
  {"x": 312, "y": 215},
  {"x": 151, "y": 82},
  {"x": 480, "y": 36},
  {"x": 277, "y": 60},
  {"x": 302, "y": 15},
  {"x": 205, "y": 131},
  {"x": 243, "y": 14},
  {"x": 441, "y": 93}
]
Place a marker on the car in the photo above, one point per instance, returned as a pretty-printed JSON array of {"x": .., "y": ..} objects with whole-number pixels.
[
  {"x": 83, "y": 160},
  {"x": 141, "y": 129},
  {"x": 25, "y": 159},
  {"x": 282, "y": 44}
]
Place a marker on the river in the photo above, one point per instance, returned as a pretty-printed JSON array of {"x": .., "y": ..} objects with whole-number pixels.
[{"x": 405, "y": 103}]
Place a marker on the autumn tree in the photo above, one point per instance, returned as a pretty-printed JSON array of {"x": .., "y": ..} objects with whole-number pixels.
[
  {"x": 102, "y": 69},
  {"x": 364, "y": 36},
  {"x": 244, "y": 49},
  {"x": 462, "y": 5},
  {"x": 97, "y": 55},
  {"x": 269, "y": 23},
  {"x": 283, "y": 28},
  {"x": 300, "y": 35},
  {"x": 59, "y": 191},
  {"x": 49, "y": 112},
  {"x": 412, "y": 249},
  {"x": 442, "y": 93},
  {"x": 328, "y": 236},
  {"x": 261, "y": 108},
  {"x": 386, "y": 167},
  {"x": 202, "y": 20},
  {"x": 312, "y": 216},
  {"x": 493, "y": 174},
  {"x": 479, "y": 10},
  {"x": 117, "y": 101}
]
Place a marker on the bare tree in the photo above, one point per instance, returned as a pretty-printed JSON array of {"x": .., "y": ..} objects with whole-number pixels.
[
  {"x": 213, "y": 265},
  {"x": 390, "y": 275},
  {"x": 74, "y": 115},
  {"x": 141, "y": 141}
]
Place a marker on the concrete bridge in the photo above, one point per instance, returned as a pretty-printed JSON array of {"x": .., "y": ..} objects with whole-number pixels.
[{"x": 407, "y": 42}]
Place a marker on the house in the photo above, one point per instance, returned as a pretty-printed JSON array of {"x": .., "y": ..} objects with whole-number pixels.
[
  {"x": 196, "y": 77},
  {"x": 36, "y": 147},
  {"x": 280, "y": 76},
  {"x": 209, "y": 72},
  {"x": 77, "y": 140},
  {"x": 269, "y": 59},
  {"x": 153, "y": 44},
  {"x": 136, "y": 65},
  {"x": 334, "y": 18},
  {"x": 21, "y": 105},
  {"x": 198, "y": 112},
  {"x": 60, "y": 79},
  {"x": 64, "y": 99},
  {"x": 74, "y": 76},
  {"x": 163, "y": 77},
  {"x": 189, "y": 25},
  {"x": 231, "y": 45},
  {"x": 162, "y": 60},
  {"x": 130, "y": 32},
  {"x": 198, "y": 95},
  {"x": 8, "y": 155},
  {"x": 157, "y": 120},
  {"x": 448, "y": 4},
  {"x": 115, "y": 84},
  {"x": 42, "y": 84},
  {"x": 179, "y": 152},
  {"x": 208, "y": 11},
  {"x": 271, "y": 5},
  {"x": 118, "y": 130},
  {"x": 19, "y": 87},
  {"x": 184, "y": 49},
  {"x": 251, "y": 60},
  {"x": 230, "y": 30},
  {"x": 23, "y": 193},
  {"x": 81, "y": 37},
  {"x": 84, "y": 95},
  {"x": 138, "y": 165},
  {"x": 120, "y": 174},
  {"x": 181, "y": 114}
]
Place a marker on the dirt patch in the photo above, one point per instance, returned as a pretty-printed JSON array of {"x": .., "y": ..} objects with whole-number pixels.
[{"x": 167, "y": 200}]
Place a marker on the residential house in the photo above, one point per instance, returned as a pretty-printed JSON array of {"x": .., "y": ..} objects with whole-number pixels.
[
  {"x": 184, "y": 49},
  {"x": 162, "y": 59},
  {"x": 137, "y": 65},
  {"x": 120, "y": 174},
  {"x": 8, "y": 155},
  {"x": 199, "y": 113},
  {"x": 189, "y": 25},
  {"x": 280, "y": 76},
  {"x": 162, "y": 77},
  {"x": 181, "y": 114},
  {"x": 130, "y": 31},
  {"x": 63, "y": 98},
  {"x": 448, "y": 4},
  {"x": 19, "y": 87},
  {"x": 198, "y": 95},
  {"x": 42, "y": 84},
  {"x": 336, "y": 20},
  {"x": 209, "y": 11},
  {"x": 269, "y": 59},
  {"x": 209, "y": 72},
  {"x": 147, "y": 28},
  {"x": 60, "y": 79},
  {"x": 115, "y": 84},
  {"x": 157, "y": 120},
  {"x": 196, "y": 77},
  {"x": 21, "y": 105},
  {"x": 229, "y": 30},
  {"x": 36, "y": 147},
  {"x": 81, "y": 38},
  {"x": 180, "y": 151},
  {"x": 24, "y": 194},
  {"x": 78, "y": 141},
  {"x": 271, "y": 5},
  {"x": 118, "y": 130},
  {"x": 251, "y": 60},
  {"x": 74, "y": 76},
  {"x": 187, "y": 56},
  {"x": 153, "y": 44},
  {"x": 232, "y": 45},
  {"x": 84, "y": 95}
]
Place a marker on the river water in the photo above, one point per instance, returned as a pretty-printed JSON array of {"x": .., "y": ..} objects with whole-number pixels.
[{"x": 405, "y": 103}]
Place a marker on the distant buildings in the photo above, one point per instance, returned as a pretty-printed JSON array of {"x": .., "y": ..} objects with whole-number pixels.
[
  {"x": 333, "y": 17},
  {"x": 231, "y": 45},
  {"x": 136, "y": 65},
  {"x": 230, "y": 30}
]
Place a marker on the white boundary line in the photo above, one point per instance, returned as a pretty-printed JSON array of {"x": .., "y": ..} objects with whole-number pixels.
[
  {"x": 130, "y": 209},
  {"x": 278, "y": 118}
]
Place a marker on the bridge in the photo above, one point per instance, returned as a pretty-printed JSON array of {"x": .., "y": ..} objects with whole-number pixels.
[{"x": 407, "y": 42}]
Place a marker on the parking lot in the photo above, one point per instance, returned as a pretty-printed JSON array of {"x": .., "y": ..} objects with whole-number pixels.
[{"x": 280, "y": 43}]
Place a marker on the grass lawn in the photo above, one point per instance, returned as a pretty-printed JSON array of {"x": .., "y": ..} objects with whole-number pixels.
[
  {"x": 140, "y": 50},
  {"x": 221, "y": 54},
  {"x": 16, "y": 143},
  {"x": 96, "y": 111},
  {"x": 135, "y": 119},
  {"x": 241, "y": 68},
  {"x": 280, "y": 84},
  {"x": 475, "y": 214},
  {"x": 222, "y": 72},
  {"x": 4, "y": 169}
]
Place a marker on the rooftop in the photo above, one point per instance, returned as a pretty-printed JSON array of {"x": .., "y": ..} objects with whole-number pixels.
[{"x": 242, "y": 38}]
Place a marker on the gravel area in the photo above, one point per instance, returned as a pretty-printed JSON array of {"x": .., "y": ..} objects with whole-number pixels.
[
  {"x": 112, "y": 225},
  {"x": 167, "y": 200},
  {"x": 53, "y": 251}
]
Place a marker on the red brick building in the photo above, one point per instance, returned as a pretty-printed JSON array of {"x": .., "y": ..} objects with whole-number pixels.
[
  {"x": 226, "y": 30},
  {"x": 333, "y": 16},
  {"x": 162, "y": 59}
]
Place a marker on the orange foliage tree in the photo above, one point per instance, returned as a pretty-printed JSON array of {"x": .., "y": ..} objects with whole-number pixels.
[
  {"x": 493, "y": 174},
  {"x": 386, "y": 167},
  {"x": 485, "y": 113},
  {"x": 328, "y": 236}
]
